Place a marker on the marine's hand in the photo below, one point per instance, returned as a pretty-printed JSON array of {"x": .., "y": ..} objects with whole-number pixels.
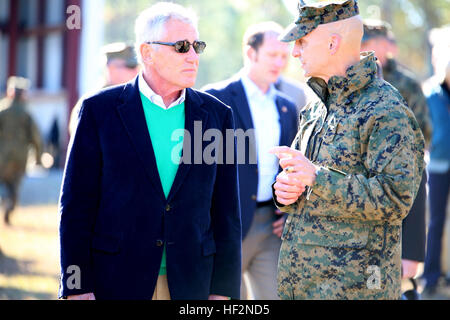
[
  {"x": 296, "y": 165},
  {"x": 287, "y": 189}
]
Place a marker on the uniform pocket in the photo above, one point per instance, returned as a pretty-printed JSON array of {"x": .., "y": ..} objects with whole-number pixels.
[{"x": 320, "y": 231}]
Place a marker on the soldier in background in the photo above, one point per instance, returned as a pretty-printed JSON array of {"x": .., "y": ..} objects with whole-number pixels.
[
  {"x": 378, "y": 37},
  {"x": 17, "y": 133},
  {"x": 121, "y": 67}
]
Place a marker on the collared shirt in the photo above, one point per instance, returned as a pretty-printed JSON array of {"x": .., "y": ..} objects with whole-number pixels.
[
  {"x": 266, "y": 121},
  {"x": 145, "y": 89}
]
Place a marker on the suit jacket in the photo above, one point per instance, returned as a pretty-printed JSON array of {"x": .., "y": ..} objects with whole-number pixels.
[
  {"x": 114, "y": 217},
  {"x": 232, "y": 93}
]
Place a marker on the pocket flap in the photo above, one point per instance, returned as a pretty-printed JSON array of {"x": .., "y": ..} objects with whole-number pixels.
[
  {"x": 336, "y": 234},
  {"x": 106, "y": 243},
  {"x": 208, "y": 247}
]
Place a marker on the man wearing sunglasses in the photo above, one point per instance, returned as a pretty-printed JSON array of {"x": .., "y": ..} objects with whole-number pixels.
[{"x": 139, "y": 219}]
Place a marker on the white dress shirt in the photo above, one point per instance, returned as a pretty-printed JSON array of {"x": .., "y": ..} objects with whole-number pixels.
[
  {"x": 266, "y": 121},
  {"x": 145, "y": 89}
]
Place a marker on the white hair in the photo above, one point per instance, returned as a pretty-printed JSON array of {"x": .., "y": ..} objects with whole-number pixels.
[{"x": 150, "y": 23}]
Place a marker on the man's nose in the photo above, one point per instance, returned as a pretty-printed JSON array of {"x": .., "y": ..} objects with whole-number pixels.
[
  {"x": 296, "y": 51},
  {"x": 191, "y": 55}
]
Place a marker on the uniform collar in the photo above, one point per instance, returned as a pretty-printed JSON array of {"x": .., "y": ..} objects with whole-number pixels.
[{"x": 341, "y": 89}]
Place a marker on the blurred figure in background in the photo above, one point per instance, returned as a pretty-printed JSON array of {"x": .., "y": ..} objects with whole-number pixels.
[
  {"x": 18, "y": 132},
  {"x": 437, "y": 91},
  {"x": 293, "y": 90},
  {"x": 378, "y": 37},
  {"x": 259, "y": 106},
  {"x": 121, "y": 67}
]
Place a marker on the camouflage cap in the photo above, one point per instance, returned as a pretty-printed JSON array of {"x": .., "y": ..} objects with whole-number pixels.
[
  {"x": 18, "y": 83},
  {"x": 376, "y": 28},
  {"x": 121, "y": 51},
  {"x": 312, "y": 15}
]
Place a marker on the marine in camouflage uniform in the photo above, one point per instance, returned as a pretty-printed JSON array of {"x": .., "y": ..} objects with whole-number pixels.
[
  {"x": 400, "y": 77},
  {"x": 121, "y": 66},
  {"x": 18, "y": 133},
  {"x": 342, "y": 238}
]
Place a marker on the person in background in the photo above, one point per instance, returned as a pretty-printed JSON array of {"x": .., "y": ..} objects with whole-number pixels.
[
  {"x": 378, "y": 37},
  {"x": 272, "y": 118},
  {"x": 437, "y": 92},
  {"x": 18, "y": 132},
  {"x": 121, "y": 67},
  {"x": 294, "y": 90}
]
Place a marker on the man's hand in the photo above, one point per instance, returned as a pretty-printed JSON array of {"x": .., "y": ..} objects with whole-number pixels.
[
  {"x": 86, "y": 296},
  {"x": 217, "y": 297},
  {"x": 409, "y": 268},
  {"x": 279, "y": 224},
  {"x": 296, "y": 165},
  {"x": 287, "y": 189}
]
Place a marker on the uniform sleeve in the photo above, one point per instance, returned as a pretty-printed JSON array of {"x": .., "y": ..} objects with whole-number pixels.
[{"x": 394, "y": 161}]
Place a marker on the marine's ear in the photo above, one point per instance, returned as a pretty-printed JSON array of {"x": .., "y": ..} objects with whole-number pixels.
[{"x": 334, "y": 43}]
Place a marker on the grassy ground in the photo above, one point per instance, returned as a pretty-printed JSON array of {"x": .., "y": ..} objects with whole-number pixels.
[{"x": 30, "y": 254}]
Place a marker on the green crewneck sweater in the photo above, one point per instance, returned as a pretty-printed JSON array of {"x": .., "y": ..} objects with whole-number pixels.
[{"x": 161, "y": 124}]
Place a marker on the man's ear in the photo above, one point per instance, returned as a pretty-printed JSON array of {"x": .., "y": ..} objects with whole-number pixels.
[
  {"x": 250, "y": 53},
  {"x": 146, "y": 53},
  {"x": 334, "y": 43}
]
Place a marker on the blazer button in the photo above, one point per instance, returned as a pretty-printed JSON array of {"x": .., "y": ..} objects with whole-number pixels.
[
  {"x": 168, "y": 208},
  {"x": 254, "y": 198},
  {"x": 159, "y": 243}
]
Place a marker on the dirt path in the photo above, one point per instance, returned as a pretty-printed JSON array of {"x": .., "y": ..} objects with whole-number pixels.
[{"x": 29, "y": 254}]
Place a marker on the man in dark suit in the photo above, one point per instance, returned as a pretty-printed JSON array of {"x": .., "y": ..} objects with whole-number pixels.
[
  {"x": 139, "y": 219},
  {"x": 269, "y": 118}
]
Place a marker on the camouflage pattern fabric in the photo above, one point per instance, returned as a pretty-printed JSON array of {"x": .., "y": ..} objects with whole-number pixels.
[
  {"x": 410, "y": 89},
  {"x": 310, "y": 16},
  {"x": 342, "y": 238},
  {"x": 17, "y": 133}
]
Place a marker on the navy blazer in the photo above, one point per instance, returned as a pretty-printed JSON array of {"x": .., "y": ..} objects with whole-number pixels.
[
  {"x": 114, "y": 217},
  {"x": 232, "y": 93}
]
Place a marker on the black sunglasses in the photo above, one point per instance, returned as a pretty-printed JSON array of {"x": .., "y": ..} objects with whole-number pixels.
[{"x": 183, "y": 46}]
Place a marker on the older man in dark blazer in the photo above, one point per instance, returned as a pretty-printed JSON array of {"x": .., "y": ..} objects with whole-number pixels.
[
  {"x": 269, "y": 118},
  {"x": 140, "y": 219}
]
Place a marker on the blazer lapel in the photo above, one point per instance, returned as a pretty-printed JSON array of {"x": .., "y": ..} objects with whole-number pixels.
[
  {"x": 241, "y": 105},
  {"x": 283, "y": 112},
  {"x": 132, "y": 114},
  {"x": 196, "y": 118}
]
